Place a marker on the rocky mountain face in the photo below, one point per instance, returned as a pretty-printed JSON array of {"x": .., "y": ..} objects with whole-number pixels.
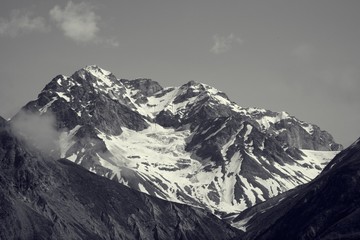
[
  {"x": 44, "y": 198},
  {"x": 188, "y": 144},
  {"x": 326, "y": 208}
]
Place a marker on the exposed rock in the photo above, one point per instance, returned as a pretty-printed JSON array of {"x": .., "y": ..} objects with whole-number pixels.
[
  {"x": 296, "y": 136},
  {"x": 84, "y": 99},
  {"x": 147, "y": 87}
]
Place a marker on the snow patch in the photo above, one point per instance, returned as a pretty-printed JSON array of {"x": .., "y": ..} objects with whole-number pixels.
[
  {"x": 45, "y": 108},
  {"x": 62, "y": 95},
  {"x": 143, "y": 189},
  {"x": 248, "y": 131},
  {"x": 99, "y": 73},
  {"x": 267, "y": 120},
  {"x": 66, "y": 140},
  {"x": 242, "y": 224},
  {"x": 308, "y": 127}
]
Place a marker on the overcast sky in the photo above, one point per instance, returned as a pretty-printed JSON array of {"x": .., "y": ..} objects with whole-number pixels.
[{"x": 302, "y": 57}]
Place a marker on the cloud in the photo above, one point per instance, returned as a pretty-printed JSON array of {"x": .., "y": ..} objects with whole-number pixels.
[
  {"x": 79, "y": 22},
  {"x": 224, "y": 44},
  {"x": 37, "y": 131},
  {"x": 303, "y": 52},
  {"x": 22, "y": 22}
]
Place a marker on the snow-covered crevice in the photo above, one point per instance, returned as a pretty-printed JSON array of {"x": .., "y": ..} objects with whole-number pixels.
[
  {"x": 156, "y": 104},
  {"x": 66, "y": 140},
  {"x": 226, "y": 146},
  {"x": 45, "y": 108},
  {"x": 63, "y": 96},
  {"x": 242, "y": 225}
]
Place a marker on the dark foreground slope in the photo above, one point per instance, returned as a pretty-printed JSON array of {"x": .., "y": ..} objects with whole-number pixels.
[
  {"x": 46, "y": 199},
  {"x": 326, "y": 208}
]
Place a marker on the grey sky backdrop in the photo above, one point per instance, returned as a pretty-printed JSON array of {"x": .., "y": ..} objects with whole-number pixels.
[{"x": 299, "y": 56}]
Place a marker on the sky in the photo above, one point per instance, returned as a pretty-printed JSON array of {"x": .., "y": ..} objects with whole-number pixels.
[{"x": 302, "y": 57}]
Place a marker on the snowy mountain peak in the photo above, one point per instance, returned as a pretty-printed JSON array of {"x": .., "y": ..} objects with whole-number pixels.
[
  {"x": 99, "y": 78},
  {"x": 202, "y": 88},
  {"x": 94, "y": 69},
  {"x": 189, "y": 143},
  {"x": 283, "y": 115},
  {"x": 194, "y": 85},
  {"x": 193, "y": 94}
]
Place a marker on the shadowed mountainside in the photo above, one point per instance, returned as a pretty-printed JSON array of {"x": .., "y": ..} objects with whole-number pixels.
[
  {"x": 48, "y": 199},
  {"x": 326, "y": 208}
]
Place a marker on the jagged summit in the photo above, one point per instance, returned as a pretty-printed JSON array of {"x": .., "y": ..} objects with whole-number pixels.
[
  {"x": 193, "y": 88},
  {"x": 95, "y": 67},
  {"x": 96, "y": 70},
  {"x": 197, "y": 86},
  {"x": 146, "y": 87},
  {"x": 100, "y": 77},
  {"x": 188, "y": 143}
]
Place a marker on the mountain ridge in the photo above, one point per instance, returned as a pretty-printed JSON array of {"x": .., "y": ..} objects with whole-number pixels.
[{"x": 214, "y": 153}]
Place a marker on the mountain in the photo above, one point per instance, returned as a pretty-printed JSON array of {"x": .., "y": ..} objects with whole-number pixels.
[
  {"x": 189, "y": 144},
  {"x": 43, "y": 198},
  {"x": 326, "y": 208}
]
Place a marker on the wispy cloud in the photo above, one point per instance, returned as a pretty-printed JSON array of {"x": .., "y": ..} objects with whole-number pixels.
[
  {"x": 22, "y": 22},
  {"x": 37, "y": 131},
  {"x": 224, "y": 44},
  {"x": 79, "y": 22}
]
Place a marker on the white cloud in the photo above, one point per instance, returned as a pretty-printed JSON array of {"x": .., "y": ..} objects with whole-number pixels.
[
  {"x": 79, "y": 22},
  {"x": 21, "y": 22},
  {"x": 224, "y": 44},
  {"x": 37, "y": 131}
]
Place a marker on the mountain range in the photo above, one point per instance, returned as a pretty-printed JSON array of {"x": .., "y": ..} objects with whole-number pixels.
[
  {"x": 189, "y": 144},
  {"x": 98, "y": 157}
]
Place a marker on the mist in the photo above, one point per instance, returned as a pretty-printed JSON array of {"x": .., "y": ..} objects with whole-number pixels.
[{"x": 37, "y": 131}]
